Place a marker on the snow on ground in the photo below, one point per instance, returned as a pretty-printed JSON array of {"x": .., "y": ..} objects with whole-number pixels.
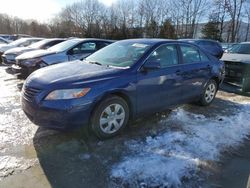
[
  {"x": 15, "y": 128},
  {"x": 10, "y": 165},
  {"x": 177, "y": 155}
]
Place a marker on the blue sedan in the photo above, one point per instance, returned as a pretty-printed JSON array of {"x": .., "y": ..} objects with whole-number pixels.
[{"x": 122, "y": 81}]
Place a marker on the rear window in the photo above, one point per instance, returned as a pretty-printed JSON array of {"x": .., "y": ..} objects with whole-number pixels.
[{"x": 190, "y": 54}]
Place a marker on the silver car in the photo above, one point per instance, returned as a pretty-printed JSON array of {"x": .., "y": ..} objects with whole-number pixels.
[
  {"x": 74, "y": 49},
  {"x": 8, "y": 58},
  {"x": 18, "y": 43},
  {"x": 237, "y": 65}
]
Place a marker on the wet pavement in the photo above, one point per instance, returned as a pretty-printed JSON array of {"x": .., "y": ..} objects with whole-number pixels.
[{"x": 36, "y": 157}]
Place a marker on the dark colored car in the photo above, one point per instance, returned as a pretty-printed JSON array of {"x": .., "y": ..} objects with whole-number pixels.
[
  {"x": 237, "y": 65},
  {"x": 69, "y": 50},
  {"x": 9, "y": 56},
  {"x": 211, "y": 46},
  {"x": 122, "y": 81}
]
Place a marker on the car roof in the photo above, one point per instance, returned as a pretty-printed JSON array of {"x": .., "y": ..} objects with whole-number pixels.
[
  {"x": 155, "y": 41},
  {"x": 32, "y": 38},
  {"x": 88, "y": 39},
  {"x": 194, "y": 40},
  {"x": 245, "y": 42},
  {"x": 150, "y": 41},
  {"x": 52, "y": 39}
]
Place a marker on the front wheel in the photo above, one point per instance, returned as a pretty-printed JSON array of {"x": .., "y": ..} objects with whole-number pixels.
[
  {"x": 110, "y": 117},
  {"x": 209, "y": 93}
]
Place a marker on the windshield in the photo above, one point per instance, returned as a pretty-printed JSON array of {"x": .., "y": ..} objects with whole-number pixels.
[
  {"x": 39, "y": 44},
  {"x": 18, "y": 42},
  {"x": 63, "y": 45},
  {"x": 240, "y": 49},
  {"x": 119, "y": 54}
]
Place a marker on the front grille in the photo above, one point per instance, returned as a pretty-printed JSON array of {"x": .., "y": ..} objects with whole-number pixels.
[
  {"x": 18, "y": 62},
  {"x": 30, "y": 92},
  {"x": 235, "y": 69}
]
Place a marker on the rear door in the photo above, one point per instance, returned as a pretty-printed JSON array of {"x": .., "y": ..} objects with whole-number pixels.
[
  {"x": 195, "y": 71},
  {"x": 157, "y": 89}
]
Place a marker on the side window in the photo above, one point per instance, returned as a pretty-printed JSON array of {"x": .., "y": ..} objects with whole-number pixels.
[
  {"x": 32, "y": 41},
  {"x": 101, "y": 45},
  {"x": 204, "y": 57},
  {"x": 26, "y": 43},
  {"x": 166, "y": 55},
  {"x": 50, "y": 44},
  {"x": 86, "y": 47},
  {"x": 190, "y": 54}
]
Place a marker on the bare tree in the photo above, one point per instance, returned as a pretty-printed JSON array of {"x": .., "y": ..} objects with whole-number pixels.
[
  {"x": 234, "y": 9},
  {"x": 247, "y": 15}
]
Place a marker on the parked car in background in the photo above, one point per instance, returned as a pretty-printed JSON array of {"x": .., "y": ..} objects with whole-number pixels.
[
  {"x": 9, "y": 56},
  {"x": 14, "y": 37},
  {"x": 226, "y": 46},
  {"x": 19, "y": 36},
  {"x": 124, "y": 80},
  {"x": 237, "y": 63},
  {"x": 66, "y": 51},
  {"x": 18, "y": 43},
  {"x": 6, "y": 36},
  {"x": 211, "y": 46},
  {"x": 4, "y": 41}
]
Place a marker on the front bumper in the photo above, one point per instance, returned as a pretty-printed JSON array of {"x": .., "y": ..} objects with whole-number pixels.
[
  {"x": 57, "y": 114},
  {"x": 19, "y": 69},
  {"x": 239, "y": 73},
  {"x": 8, "y": 61},
  {"x": 23, "y": 70}
]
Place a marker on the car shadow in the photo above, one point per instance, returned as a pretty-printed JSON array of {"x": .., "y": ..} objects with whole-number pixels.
[
  {"x": 9, "y": 70},
  {"x": 79, "y": 159},
  {"x": 232, "y": 88}
]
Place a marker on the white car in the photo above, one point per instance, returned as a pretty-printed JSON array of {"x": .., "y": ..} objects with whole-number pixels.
[
  {"x": 18, "y": 43},
  {"x": 237, "y": 65}
]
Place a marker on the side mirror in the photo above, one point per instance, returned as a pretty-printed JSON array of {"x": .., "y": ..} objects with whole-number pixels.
[{"x": 151, "y": 65}]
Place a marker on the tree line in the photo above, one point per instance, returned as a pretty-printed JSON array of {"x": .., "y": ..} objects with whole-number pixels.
[{"x": 140, "y": 18}]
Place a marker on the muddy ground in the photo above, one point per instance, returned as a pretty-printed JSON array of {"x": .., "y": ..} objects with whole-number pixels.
[{"x": 36, "y": 157}]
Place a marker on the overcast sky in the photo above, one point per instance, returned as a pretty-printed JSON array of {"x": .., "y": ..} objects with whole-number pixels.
[{"x": 42, "y": 10}]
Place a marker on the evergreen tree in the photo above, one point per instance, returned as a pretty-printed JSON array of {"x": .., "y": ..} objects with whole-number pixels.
[
  {"x": 211, "y": 31},
  {"x": 167, "y": 30}
]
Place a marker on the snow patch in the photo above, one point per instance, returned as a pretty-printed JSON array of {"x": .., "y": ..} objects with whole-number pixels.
[
  {"x": 169, "y": 158},
  {"x": 10, "y": 165}
]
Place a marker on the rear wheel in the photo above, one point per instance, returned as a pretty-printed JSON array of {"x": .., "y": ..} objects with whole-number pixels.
[
  {"x": 110, "y": 117},
  {"x": 209, "y": 93}
]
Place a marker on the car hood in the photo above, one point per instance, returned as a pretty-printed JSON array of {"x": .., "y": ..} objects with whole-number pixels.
[
  {"x": 245, "y": 58},
  {"x": 18, "y": 50},
  {"x": 34, "y": 54},
  {"x": 5, "y": 47},
  {"x": 70, "y": 73}
]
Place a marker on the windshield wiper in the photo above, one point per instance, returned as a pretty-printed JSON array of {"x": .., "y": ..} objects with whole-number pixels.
[{"x": 94, "y": 62}]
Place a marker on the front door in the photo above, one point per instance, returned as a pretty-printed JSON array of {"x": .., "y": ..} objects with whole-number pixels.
[{"x": 159, "y": 88}]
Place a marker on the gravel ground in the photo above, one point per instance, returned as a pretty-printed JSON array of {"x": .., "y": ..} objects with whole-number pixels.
[{"x": 189, "y": 146}]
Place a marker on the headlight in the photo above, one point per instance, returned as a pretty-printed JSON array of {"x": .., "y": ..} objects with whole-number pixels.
[
  {"x": 32, "y": 62},
  {"x": 67, "y": 94}
]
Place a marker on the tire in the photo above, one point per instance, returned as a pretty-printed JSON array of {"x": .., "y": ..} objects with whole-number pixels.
[
  {"x": 209, "y": 93},
  {"x": 110, "y": 117}
]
